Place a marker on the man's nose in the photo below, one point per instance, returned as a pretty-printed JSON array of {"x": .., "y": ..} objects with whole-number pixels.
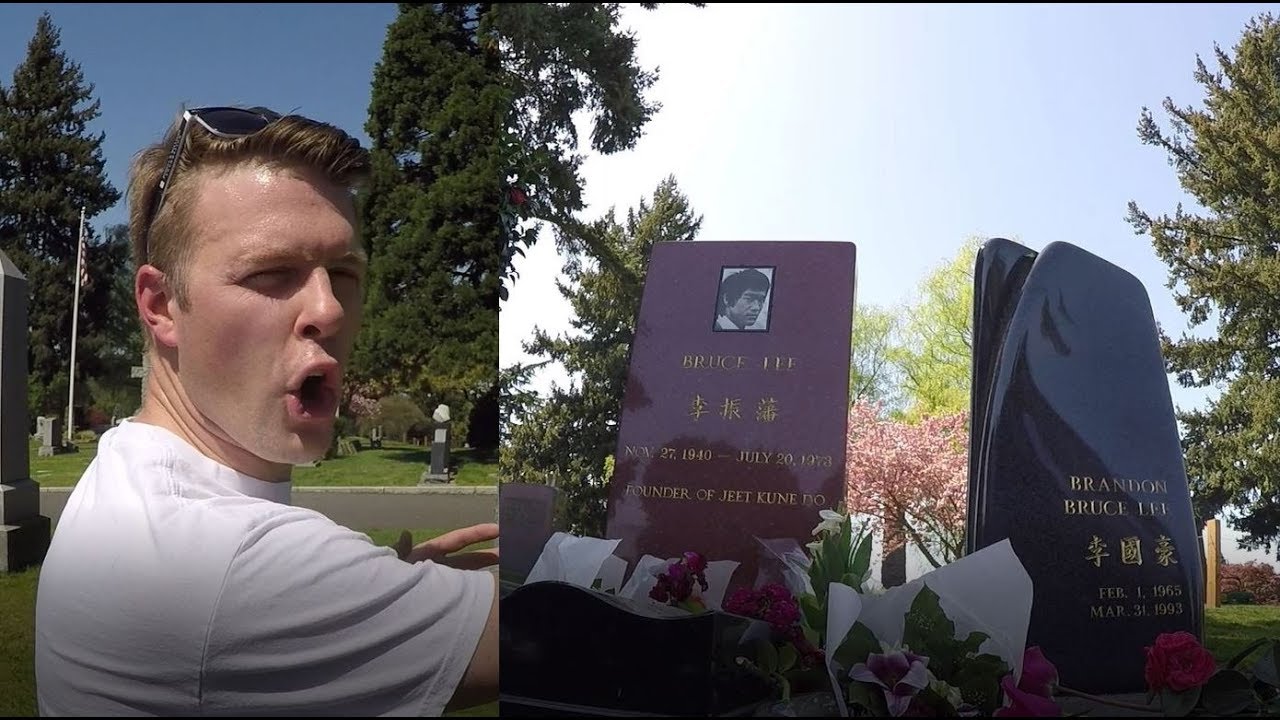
[{"x": 322, "y": 312}]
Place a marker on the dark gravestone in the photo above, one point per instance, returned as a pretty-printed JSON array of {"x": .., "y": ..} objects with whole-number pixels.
[
  {"x": 526, "y": 518},
  {"x": 571, "y": 651},
  {"x": 1078, "y": 462},
  {"x": 1000, "y": 269},
  {"x": 24, "y": 532},
  {"x": 735, "y": 415}
]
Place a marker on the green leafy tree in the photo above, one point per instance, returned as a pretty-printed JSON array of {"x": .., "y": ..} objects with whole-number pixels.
[
  {"x": 937, "y": 344},
  {"x": 51, "y": 166},
  {"x": 517, "y": 400},
  {"x": 561, "y": 59},
  {"x": 1224, "y": 265},
  {"x": 431, "y": 218},
  {"x": 875, "y": 375},
  {"x": 396, "y": 415},
  {"x": 568, "y": 438}
]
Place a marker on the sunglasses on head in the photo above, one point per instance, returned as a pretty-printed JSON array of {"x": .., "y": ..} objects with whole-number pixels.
[{"x": 225, "y": 122}]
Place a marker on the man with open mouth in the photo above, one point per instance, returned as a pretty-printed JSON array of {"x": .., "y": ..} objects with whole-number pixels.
[{"x": 180, "y": 579}]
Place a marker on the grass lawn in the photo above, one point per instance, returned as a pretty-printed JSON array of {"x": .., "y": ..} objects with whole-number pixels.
[
  {"x": 1231, "y": 628},
  {"x": 17, "y": 636},
  {"x": 394, "y": 464}
]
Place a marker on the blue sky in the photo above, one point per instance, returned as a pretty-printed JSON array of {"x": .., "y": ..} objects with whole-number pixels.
[
  {"x": 905, "y": 129},
  {"x": 147, "y": 62}
]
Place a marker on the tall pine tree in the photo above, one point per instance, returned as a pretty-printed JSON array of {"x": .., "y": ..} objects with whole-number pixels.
[
  {"x": 109, "y": 343},
  {"x": 568, "y": 438},
  {"x": 431, "y": 218},
  {"x": 50, "y": 167},
  {"x": 561, "y": 59},
  {"x": 1224, "y": 264}
]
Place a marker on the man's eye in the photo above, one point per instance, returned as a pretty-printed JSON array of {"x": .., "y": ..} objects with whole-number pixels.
[{"x": 274, "y": 276}]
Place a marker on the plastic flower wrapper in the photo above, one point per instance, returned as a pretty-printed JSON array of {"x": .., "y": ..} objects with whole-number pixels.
[
  {"x": 784, "y": 562},
  {"x": 611, "y": 574},
  {"x": 939, "y": 645},
  {"x": 572, "y": 559},
  {"x": 988, "y": 591}
]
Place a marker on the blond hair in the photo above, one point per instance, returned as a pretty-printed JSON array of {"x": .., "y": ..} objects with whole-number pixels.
[{"x": 293, "y": 142}]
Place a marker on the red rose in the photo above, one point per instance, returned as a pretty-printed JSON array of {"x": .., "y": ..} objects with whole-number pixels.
[
  {"x": 517, "y": 196},
  {"x": 1178, "y": 662}
]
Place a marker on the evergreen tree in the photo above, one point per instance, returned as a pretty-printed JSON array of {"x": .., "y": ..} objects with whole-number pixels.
[
  {"x": 568, "y": 439},
  {"x": 560, "y": 59},
  {"x": 109, "y": 342},
  {"x": 1224, "y": 264},
  {"x": 431, "y": 219},
  {"x": 50, "y": 168}
]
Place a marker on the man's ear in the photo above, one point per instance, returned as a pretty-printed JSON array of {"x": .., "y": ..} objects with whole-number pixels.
[{"x": 156, "y": 305}]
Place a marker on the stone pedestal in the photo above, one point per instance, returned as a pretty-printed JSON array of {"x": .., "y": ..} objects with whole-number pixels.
[
  {"x": 24, "y": 532},
  {"x": 439, "y": 470}
]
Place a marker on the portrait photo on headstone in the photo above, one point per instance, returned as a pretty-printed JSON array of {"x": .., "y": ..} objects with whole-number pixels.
[{"x": 743, "y": 299}]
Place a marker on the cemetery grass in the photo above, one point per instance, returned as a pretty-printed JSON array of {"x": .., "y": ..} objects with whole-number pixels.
[
  {"x": 1232, "y": 628},
  {"x": 395, "y": 464},
  {"x": 17, "y": 636}
]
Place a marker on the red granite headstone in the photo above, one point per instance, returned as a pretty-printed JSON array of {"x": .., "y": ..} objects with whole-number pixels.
[{"x": 733, "y": 425}]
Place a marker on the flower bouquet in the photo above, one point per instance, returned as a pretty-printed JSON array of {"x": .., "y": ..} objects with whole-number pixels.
[
  {"x": 822, "y": 643},
  {"x": 949, "y": 644},
  {"x": 899, "y": 652}
]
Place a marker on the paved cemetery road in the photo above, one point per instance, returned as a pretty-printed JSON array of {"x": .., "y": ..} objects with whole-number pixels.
[{"x": 427, "y": 507}]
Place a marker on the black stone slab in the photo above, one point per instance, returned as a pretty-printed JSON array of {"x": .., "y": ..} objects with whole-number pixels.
[
  {"x": 1081, "y": 454},
  {"x": 566, "y": 650},
  {"x": 1000, "y": 269}
]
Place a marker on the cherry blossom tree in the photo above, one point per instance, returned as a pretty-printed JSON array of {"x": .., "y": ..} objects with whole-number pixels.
[{"x": 911, "y": 478}]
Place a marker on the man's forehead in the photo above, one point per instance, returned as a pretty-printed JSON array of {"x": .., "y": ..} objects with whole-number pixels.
[{"x": 275, "y": 213}]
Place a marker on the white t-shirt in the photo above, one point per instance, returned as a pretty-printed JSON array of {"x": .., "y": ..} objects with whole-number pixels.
[{"x": 175, "y": 585}]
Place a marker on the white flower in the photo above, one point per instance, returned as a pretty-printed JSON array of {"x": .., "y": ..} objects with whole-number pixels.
[{"x": 831, "y": 522}]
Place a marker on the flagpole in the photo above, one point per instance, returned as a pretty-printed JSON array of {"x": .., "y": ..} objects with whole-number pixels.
[{"x": 75, "y": 317}]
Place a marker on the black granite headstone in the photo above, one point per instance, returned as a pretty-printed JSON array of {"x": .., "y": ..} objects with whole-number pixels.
[
  {"x": 1077, "y": 461},
  {"x": 1000, "y": 269},
  {"x": 570, "y": 651}
]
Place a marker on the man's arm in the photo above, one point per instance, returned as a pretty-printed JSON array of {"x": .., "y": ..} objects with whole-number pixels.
[{"x": 480, "y": 683}]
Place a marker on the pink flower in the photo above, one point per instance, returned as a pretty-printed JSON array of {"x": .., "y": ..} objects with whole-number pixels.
[
  {"x": 772, "y": 603},
  {"x": 676, "y": 584},
  {"x": 782, "y": 613},
  {"x": 1039, "y": 676},
  {"x": 695, "y": 562},
  {"x": 901, "y": 673},
  {"x": 1019, "y": 703}
]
